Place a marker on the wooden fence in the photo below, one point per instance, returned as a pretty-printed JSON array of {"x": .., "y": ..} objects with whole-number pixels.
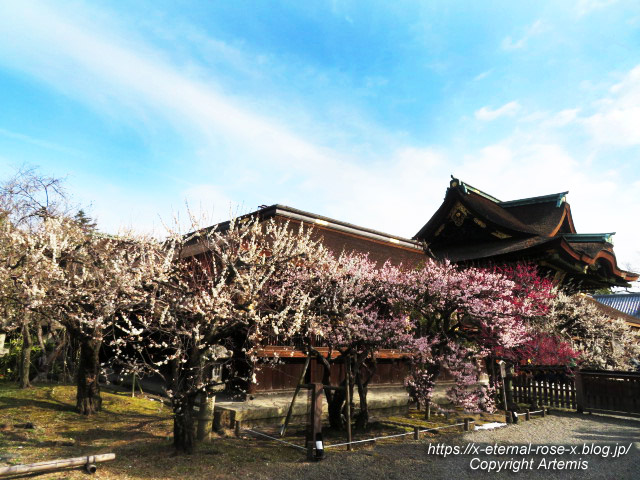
[
  {"x": 611, "y": 391},
  {"x": 582, "y": 390},
  {"x": 538, "y": 386}
]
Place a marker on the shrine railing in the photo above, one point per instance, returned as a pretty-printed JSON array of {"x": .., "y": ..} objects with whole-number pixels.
[
  {"x": 582, "y": 390},
  {"x": 542, "y": 386}
]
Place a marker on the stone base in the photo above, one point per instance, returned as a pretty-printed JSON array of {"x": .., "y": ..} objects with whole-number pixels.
[{"x": 271, "y": 409}]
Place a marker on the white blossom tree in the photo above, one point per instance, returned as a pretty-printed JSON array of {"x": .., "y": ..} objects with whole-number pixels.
[
  {"x": 605, "y": 342},
  {"x": 27, "y": 199},
  {"x": 216, "y": 290}
]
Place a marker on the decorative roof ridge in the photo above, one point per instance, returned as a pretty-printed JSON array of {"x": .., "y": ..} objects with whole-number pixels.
[
  {"x": 559, "y": 198},
  {"x": 466, "y": 188},
  {"x": 588, "y": 237}
]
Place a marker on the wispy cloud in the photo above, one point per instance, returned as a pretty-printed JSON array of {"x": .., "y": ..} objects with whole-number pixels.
[
  {"x": 584, "y": 7},
  {"x": 482, "y": 75},
  {"x": 507, "y": 110},
  {"x": 616, "y": 120},
  {"x": 531, "y": 31},
  {"x": 21, "y": 137},
  {"x": 111, "y": 74}
]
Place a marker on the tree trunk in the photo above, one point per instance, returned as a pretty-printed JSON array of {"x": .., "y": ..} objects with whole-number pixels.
[
  {"x": 47, "y": 361},
  {"x": 335, "y": 408},
  {"x": 183, "y": 425},
  {"x": 25, "y": 357},
  {"x": 362, "y": 419},
  {"x": 361, "y": 369},
  {"x": 88, "y": 400}
]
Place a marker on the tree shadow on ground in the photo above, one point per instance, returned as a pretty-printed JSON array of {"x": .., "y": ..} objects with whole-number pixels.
[
  {"x": 49, "y": 404},
  {"x": 606, "y": 428}
]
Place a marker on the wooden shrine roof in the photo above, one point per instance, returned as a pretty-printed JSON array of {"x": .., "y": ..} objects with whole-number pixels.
[
  {"x": 473, "y": 226},
  {"x": 341, "y": 236}
]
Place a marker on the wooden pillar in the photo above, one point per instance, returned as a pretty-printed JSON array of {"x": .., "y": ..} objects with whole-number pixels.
[
  {"x": 527, "y": 415},
  {"x": 579, "y": 393},
  {"x": 427, "y": 410},
  {"x": 348, "y": 399},
  {"x": 467, "y": 426}
]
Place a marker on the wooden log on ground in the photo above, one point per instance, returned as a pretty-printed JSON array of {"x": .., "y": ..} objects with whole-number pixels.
[{"x": 88, "y": 462}]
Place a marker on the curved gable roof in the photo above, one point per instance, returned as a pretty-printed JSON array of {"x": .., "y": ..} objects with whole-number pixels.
[{"x": 472, "y": 225}]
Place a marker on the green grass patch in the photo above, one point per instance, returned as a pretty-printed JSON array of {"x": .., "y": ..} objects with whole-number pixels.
[{"x": 138, "y": 430}]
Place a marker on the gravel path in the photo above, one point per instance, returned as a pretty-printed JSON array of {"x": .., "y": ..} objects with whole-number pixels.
[{"x": 412, "y": 460}]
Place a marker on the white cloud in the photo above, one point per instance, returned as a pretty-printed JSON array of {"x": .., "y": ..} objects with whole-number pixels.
[
  {"x": 482, "y": 75},
  {"x": 584, "y": 7},
  {"x": 534, "y": 29},
  {"x": 616, "y": 120},
  {"x": 563, "y": 117},
  {"x": 507, "y": 110}
]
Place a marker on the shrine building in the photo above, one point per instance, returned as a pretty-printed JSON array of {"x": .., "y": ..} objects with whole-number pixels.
[{"x": 470, "y": 227}]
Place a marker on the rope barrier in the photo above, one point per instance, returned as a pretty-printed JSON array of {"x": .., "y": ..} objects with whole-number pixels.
[
  {"x": 368, "y": 440},
  {"x": 444, "y": 426},
  {"x": 274, "y": 438}
]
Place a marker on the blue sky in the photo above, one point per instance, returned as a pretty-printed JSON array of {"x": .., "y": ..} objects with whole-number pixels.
[{"x": 355, "y": 110}]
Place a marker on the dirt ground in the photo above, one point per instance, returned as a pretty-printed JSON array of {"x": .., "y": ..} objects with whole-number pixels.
[{"x": 138, "y": 431}]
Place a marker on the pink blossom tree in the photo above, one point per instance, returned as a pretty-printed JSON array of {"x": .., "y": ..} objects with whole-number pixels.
[
  {"x": 354, "y": 313},
  {"x": 456, "y": 307}
]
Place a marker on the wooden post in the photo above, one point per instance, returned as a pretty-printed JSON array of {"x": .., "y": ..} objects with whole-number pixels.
[
  {"x": 295, "y": 394},
  {"x": 579, "y": 393},
  {"x": 527, "y": 415},
  {"x": 544, "y": 411},
  {"x": 508, "y": 417},
  {"x": 348, "y": 399},
  {"x": 205, "y": 417},
  {"x": 505, "y": 394},
  {"x": 416, "y": 433},
  {"x": 238, "y": 428},
  {"x": 315, "y": 444},
  {"x": 467, "y": 424}
]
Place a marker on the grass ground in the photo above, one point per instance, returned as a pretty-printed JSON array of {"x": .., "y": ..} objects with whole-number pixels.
[{"x": 138, "y": 431}]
